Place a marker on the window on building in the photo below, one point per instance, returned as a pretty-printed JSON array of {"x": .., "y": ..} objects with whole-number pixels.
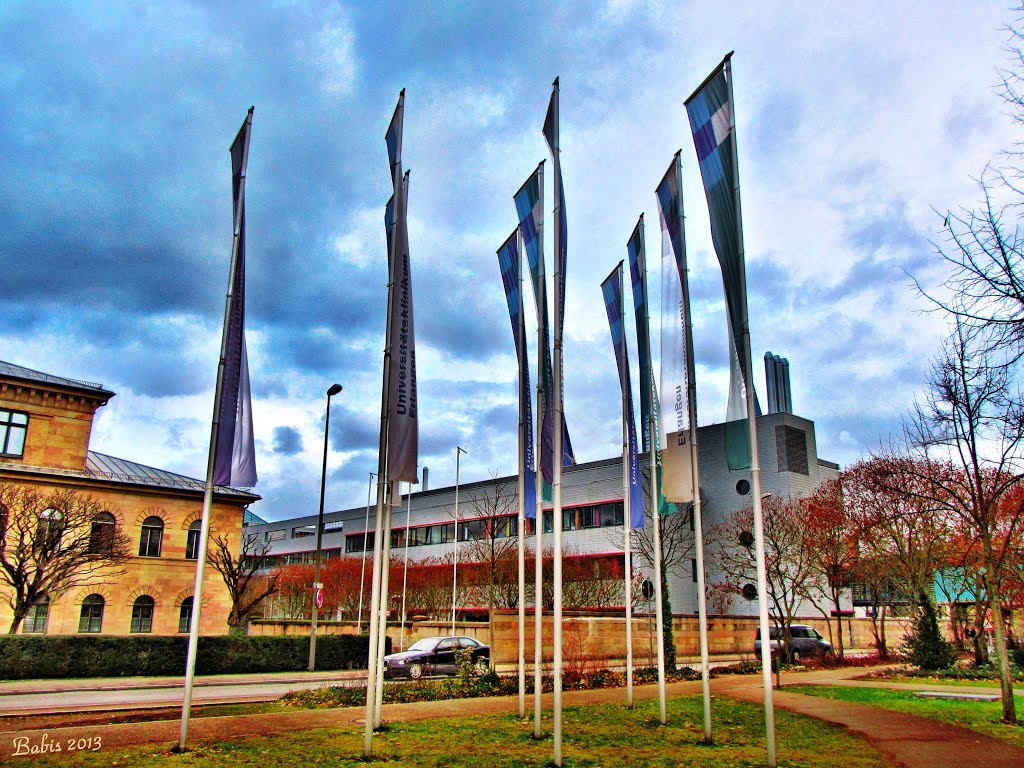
[
  {"x": 13, "y": 426},
  {"x": 38, "y": 614},
  {"x": 333, "y": 526},
  {"x": 152, "y": 537},
  {"x": 192, "y": 542},
  {"x": 474, "y": 530},
  {"x": 360, "y": 542},
  {"x": 302, "y": 531},
  {"x": 91, "y": 619},
  {"x": 101, "y": 537},
  {"x": 142, "y": 614},
  {"x": 49, "y": 530},
  {"x": 693, "y": 565},
  {"x": 278, "y": 535},
  {"x": 185, "y": 615}
]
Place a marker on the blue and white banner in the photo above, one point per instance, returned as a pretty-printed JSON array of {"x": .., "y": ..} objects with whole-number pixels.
[
  {"x": 510, "y": 262},
  {"x": 234, "y": 460},
  {"x": 550, "y": 130},
  {"x": 612, "y": 290},
  {"x": 529, "y": 206},
  {"x": 712, "y": 123},
  {"x": 637, "y": 270},
  {"x": 675, "y": 459}
]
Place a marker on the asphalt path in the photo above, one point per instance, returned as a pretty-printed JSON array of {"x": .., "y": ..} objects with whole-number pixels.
[{"x": 110, "y": 695}]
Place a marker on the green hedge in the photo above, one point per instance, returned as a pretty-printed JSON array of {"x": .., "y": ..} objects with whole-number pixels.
[{"x": 24, "y": 657}]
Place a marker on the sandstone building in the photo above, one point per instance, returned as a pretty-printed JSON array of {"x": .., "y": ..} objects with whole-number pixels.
[{"x": 45, "y": 425}]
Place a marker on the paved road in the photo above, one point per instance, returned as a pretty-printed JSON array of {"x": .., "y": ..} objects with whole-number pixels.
[{"x": 58, "y": 696}]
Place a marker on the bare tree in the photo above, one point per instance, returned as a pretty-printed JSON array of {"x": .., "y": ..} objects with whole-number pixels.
[
  {"x": 248, "y": 580},
  {"x": 898, "y": 526},
  {"x": 493, "y": 540},
  {"x": 968, "y": 435},
  {"x": 789, "y": 558},
  {"x": 677, "y": 551},
  {"x": 53, "y": 541}
]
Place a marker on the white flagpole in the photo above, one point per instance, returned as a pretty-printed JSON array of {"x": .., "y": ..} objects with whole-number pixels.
[
  {"x": 373, "y": 660},
  {"x": 405, "y": 571},
  {"x": 362, "y": 568},
  {"x": 556, "y": 484},
  {"x": 455, "y": 567},
  {"x": 385, "y": 578},
  {"x": 755, "y": 467},
  {"x": 538, "y": 570},
  {"x": 204, "y": 531},
  {"x": 652, "y": 446},
  {"x": 524, "y": 392},
  {"x": 698, "y": 525},
  {"x": 626, "y": 500}
]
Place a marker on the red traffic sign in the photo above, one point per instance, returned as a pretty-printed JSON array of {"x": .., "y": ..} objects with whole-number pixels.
[{"x": 319, "y": 598}]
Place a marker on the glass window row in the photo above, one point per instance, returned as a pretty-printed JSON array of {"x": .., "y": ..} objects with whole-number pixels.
[
  {"x": 586, "y": 516},
  {"x": 90, "y": 619}
]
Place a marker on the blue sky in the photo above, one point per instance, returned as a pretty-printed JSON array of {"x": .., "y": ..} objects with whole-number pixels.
[{"x": 855, "y": 121}]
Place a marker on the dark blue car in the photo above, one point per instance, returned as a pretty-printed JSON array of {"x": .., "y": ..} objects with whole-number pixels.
[{"x": 436, "y": 656}]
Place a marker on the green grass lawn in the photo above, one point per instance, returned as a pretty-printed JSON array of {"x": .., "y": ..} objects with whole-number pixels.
[
  {"x": 981, "y": 716},
  {"x": 924, "y": 680},
  {"x": 600, "y": 736}
]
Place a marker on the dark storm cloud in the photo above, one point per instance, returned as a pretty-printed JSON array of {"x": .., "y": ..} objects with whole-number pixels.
[
  {"x": 463, "y": 316},
  {"x": 136, "y": 201},
  {"x": 287, "y": 441},
  {"x": 353, "y": 430}
]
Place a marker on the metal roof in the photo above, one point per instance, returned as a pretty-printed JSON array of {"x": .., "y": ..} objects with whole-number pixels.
[
  {"x": 100, "y": 466},
  {"x": 27, "y": 374}
]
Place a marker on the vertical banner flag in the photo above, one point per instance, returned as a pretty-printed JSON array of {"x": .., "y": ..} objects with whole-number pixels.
[
  {"x": 403, "y": 428},
  {"x": 551, "y": 137},
  {"x": 530, "y": 208},
  {"x": 510, "y": 263},
  {"x": 677, "y": 481},
  {"x": 612, "y": 290},
  {"x": 711, "y": 122},
  {"x": 235, "y": 458},
  {"x": 637, "y": 267}
]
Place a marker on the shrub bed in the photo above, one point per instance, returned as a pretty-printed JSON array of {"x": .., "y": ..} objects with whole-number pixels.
[
  {"x": 468, "y": 687},
  {"x": 25, "y": 657}
]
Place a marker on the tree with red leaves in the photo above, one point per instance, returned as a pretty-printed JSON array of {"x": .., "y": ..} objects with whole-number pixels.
[{"x": 832, "y": 538}]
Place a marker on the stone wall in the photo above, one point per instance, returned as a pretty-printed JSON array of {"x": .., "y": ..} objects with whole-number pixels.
[{"x": 599, "y": 639}]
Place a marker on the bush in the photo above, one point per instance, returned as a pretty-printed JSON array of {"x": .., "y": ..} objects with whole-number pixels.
[
  {"x": 24, "y": 657},
  {"x": 924, "y": 646},
  {"x": 1017, "y": 656}
]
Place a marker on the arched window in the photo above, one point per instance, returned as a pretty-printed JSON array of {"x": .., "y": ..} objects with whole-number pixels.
[
  {"x": 101, "y": 537},
  {"x": 49, "y": 530},
  {"x": 91, "y": 619},
  {"x": 152, "y": 535},
  {"x": 185, "y": 616},
  {"x": 142, "y": 614},
  {"x": 192, "y": 544},
  {"x": 35, "y": 621}
]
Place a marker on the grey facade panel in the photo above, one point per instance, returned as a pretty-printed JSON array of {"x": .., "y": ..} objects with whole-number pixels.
[{"x": 593, "y": 482}]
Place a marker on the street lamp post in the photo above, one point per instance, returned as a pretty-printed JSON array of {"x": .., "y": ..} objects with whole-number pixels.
[
  {"x": 455, "y": 566},
  {"x": 317, "y": 586}
]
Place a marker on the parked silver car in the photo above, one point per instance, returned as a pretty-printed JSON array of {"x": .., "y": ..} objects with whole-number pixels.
[{"x": 804, "y": 642}]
